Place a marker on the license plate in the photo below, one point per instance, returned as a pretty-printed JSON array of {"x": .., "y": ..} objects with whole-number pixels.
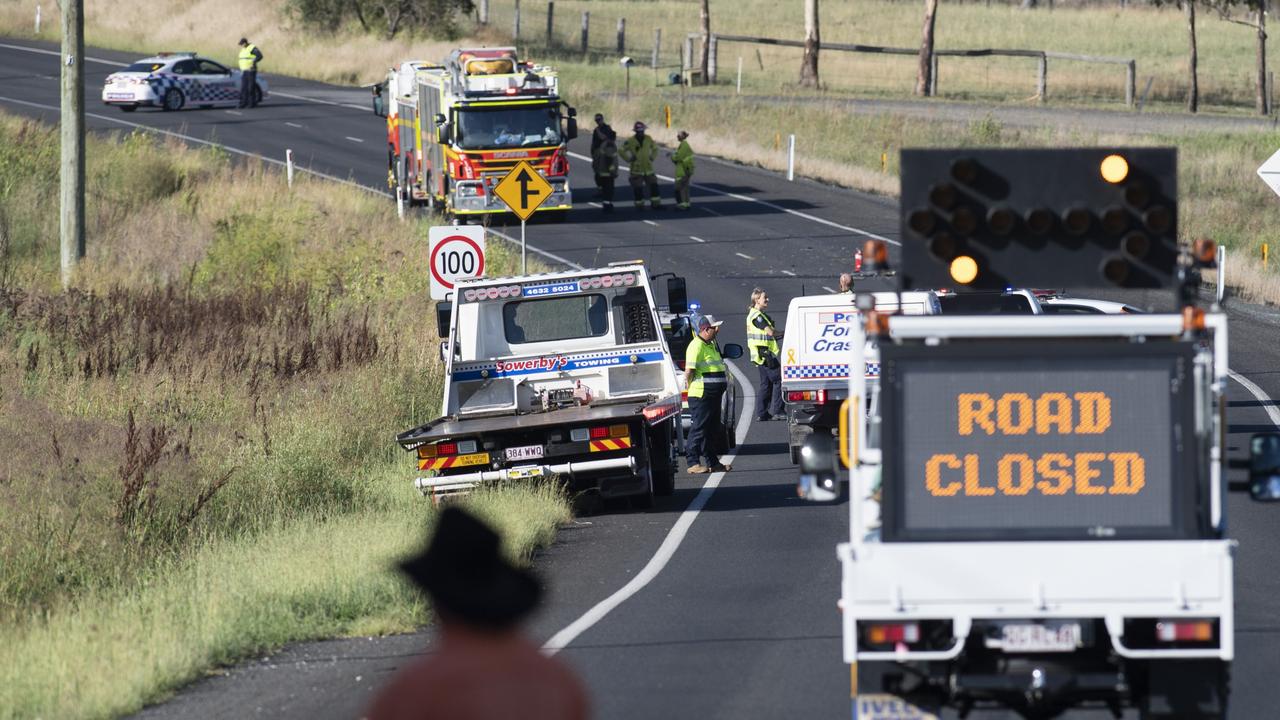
[
  {"x": 524, "y": 473},
  {"x": 1038, "y": 637},
  {"x": 524, "y": 452},
  {"x": 119, "y": 96}
]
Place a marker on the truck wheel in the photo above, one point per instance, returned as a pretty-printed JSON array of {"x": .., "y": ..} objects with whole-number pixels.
[
  {"x": 660, "y": 465},
  {"x": 644, "y": 500}
]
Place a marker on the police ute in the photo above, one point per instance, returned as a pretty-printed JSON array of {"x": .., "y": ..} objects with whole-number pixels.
[
  {"x": 1037, "y": 502},
  {"x": 815, "y": 356},
  {"x": 172, "y": 81},
  {"x": 559, "y": 376}
]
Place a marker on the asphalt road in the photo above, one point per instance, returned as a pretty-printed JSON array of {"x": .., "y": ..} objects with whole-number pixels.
[{"x": 741, "y": 620}]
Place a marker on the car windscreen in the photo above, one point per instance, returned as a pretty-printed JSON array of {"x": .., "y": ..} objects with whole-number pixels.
[
  {"x": 143, "y": 67},
  {"x": 557, "y": 318},
  {"x": 508, "y": 127},
  {"x": 985, "y": 304}
]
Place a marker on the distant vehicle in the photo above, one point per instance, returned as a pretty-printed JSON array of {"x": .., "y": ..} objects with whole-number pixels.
[
  {"x": 1008, "y": 302},
  {"x": 1061, "y": 305},
  {"x": 172, "y": 81}
]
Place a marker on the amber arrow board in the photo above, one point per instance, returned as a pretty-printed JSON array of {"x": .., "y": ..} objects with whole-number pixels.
[{"x": 523, "y": 190}]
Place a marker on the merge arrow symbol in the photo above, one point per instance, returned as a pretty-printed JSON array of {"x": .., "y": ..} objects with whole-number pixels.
[{"x": 525, "y": 193}]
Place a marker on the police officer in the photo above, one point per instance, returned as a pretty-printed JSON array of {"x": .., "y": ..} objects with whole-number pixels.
[
  {"x": 640, "y": 150},
  {"x": 683, "y": 159},
  {"x": 846, "y": 283},
  {"x": 762, "y": 343},
  {"x": 249, "y": 58},
  {"x": 707, "y": 378}
]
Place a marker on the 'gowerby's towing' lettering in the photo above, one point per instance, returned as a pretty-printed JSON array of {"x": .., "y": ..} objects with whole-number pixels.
[
  {"x": 539, "y": 364},
  {"x": 834, "y": 333}
]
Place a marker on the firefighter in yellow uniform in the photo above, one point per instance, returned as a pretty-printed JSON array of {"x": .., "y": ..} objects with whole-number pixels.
[
  {"x": 640, "y": 150},
  {"x": 762, "y": 343},
  {"x": 707, "y": 378},
  {"x": 683, "y": 159},
  {"x": 248, "y": 59}
]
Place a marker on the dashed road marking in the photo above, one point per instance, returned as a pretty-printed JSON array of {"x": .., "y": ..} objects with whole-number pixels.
[
  {"x": 233, "y": 112},
  {"x": 788, "y": 272},
  {"x": 293, "y": 124},
  {"x": 649, "y": 222},
  {"x": 744, "y": 256},
  {"x": 354, "y": 139},
  {"x": 695, "y": 237},
  {"x": 824, "y": 287},
  {"x": 594, "y": 204}
]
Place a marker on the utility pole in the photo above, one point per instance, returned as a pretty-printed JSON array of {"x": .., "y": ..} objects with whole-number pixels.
[{"x": 72, "y": 169}]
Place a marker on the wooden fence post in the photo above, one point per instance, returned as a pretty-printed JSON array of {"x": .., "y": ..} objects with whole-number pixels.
[
  {"x": 1042, "y": 80},
  {"x": 516, "y": 29},
  {"x": 551, "y": 12},
  {"x": 483, "y": 12},
  {"x": 1130, "y": 82},
  {"x": 622, "y": 36},
  {"x": 586, "y": 29},
  {"x": 712, "y": 53},
  {"x": 657, "y": 47},
  {"x": 933, "y": 76},
  {"x": 686, "y": 58}
]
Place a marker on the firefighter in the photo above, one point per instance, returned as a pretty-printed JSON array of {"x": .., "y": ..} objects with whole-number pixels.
[
  {"x": 707, "y": 378},
  {"x": 482, "y": 666},
  {"x": 604, "y": 161},
  {"x": 249, "y": 58},
  {"x": 640, "y": 151},
  {"x": 683, "y": 159},
  {"x": 762, "y": 343}
]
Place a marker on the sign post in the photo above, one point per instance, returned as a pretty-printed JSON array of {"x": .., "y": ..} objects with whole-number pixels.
[
  {"x": 523, "y": 190},
  {"x": 456, "y": 253}
]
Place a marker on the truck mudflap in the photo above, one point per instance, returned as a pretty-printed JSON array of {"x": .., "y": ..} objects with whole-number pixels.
[{"x": 438, "y": 487}]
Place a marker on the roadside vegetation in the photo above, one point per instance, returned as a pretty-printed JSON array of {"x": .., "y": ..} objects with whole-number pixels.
[{"x": 197, "y": 439}]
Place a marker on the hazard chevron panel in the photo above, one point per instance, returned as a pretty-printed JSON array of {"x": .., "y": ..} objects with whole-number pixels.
[{"x": 621, "y": 443}]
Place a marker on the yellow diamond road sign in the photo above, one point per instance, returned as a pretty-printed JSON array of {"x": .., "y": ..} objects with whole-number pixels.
[{"x": 523, "y": 190}]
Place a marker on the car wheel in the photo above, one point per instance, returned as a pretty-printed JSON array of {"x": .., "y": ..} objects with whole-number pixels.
[
  {"x": 173, "y": 100},
  {"x": 128, "y": 108}
]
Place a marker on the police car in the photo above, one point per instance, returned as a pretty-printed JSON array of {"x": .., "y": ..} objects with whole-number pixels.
[{"x": 172, "y": 81}]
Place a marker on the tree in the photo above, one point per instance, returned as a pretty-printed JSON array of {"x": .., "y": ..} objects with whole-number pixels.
[
  {"x": 435, "y": 17},
  {"x": 705, "y": 50},
  {"x": 1262, "y": 101},
  {"x": 809, "y": 65},
  {"x": 1193, "y": 59},
  {"x": 924, "y": 74}
]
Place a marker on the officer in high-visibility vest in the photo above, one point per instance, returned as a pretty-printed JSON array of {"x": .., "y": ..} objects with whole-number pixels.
[
  {"x": 846, "y": 284},
  {"x": 249, "y": 58},
  {"x": 707, "y": 378},
  {"x": 762, "y": 343}
]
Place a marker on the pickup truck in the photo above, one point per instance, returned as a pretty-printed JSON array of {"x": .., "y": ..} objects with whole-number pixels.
[{"x": 561, "y": 375}]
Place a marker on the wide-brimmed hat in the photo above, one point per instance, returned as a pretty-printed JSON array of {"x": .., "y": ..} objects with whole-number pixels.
[
  {"x": 463, "y": 572},
  {"x": 706, "y": 321}
]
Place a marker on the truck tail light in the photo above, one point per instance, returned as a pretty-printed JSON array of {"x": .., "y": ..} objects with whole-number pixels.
[
  {"x": 1184, "y": 631},
  {"x": 889, "y": 633},
  {"x": 818, "y": 396},
  {"x": 450, "y": 448},
  {"x": 599, "y": 432},
  {"x": 618, "y": 431}
]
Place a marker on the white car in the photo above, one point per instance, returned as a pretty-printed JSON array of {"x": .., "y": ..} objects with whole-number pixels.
[
  {"x": 172, "y": 81},
  {"x": 1062, "y": 305}
]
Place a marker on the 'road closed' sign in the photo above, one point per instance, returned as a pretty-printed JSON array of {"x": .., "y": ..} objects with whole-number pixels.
[{"x": 456, "y": 253}]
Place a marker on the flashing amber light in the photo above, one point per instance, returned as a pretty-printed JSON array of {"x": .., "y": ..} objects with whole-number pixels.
[
  {"x": 964, "y": 269},
  {"x": 1192, "y": 318},
  {"x": 1114, "y": 169}
]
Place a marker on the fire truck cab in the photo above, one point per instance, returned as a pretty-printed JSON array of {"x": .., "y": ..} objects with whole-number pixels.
[{"x": 454, "y": 130}]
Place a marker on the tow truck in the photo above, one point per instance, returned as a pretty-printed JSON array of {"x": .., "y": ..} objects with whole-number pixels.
[
  {"x": 1036, "y": 502},
  {"x": 563, "y": 376}
]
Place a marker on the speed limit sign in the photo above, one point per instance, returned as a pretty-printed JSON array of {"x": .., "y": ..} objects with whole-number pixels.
[{"x": 457, "y": 253}]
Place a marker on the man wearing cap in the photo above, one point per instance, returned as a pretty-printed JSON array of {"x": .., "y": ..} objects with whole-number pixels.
[
  {"x": 604, "y": 161},
  {"x": 683, "y": 159},
  {"x": 249, "y": 58},
  {"x": 707, "y": 378},
  {"x": 640, "y": 151},
  {"x": 483, "y": 668}
]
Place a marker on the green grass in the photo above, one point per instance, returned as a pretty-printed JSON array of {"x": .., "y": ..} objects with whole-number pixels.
[{"x": 196, "y": 442}]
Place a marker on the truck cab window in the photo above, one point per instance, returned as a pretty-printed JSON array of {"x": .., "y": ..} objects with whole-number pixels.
[{"x": 556, "y": 318}]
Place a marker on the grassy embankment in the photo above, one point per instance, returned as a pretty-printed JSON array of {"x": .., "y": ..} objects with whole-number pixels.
[
  {"x": 1221, "y": 197},
  {"x": 198, "y": 462}
]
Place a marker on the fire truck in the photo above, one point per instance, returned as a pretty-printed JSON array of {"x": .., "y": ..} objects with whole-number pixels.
[{"x": 454, "y": 130}]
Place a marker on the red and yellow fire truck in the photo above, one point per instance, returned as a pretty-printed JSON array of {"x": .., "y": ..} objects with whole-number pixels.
[{"x": 454, "y": 130}]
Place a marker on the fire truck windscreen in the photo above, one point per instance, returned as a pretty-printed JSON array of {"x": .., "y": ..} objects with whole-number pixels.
[{"x": 508, "y": 127}]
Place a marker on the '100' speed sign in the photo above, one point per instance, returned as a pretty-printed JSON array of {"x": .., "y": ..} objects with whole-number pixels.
[{"x": 457, "y": 253}]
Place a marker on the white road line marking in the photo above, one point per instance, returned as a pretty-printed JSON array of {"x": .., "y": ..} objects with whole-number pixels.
[
  {"x": 55, "y": 53},
  {"x": 233, "y": 112},
  {"x": 649, "y": 222},
  {"x": 788, "y": 272},
  {"x": 824, "y": 287},
  {"x": 744, "y": 256},
  {"x": 354, "y": 139},
  {"x": 317, "y": 101},
  {"x": 594, "y": 204},
  {"x": 695, "y": 237},
  {"x": 1267, "y": 403},
  {"x": 772, "y": 206},
  {"x": 293, "y": 124},
  {"x": 674, "y": 537},
  {"x": 709, "y": 210}
]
